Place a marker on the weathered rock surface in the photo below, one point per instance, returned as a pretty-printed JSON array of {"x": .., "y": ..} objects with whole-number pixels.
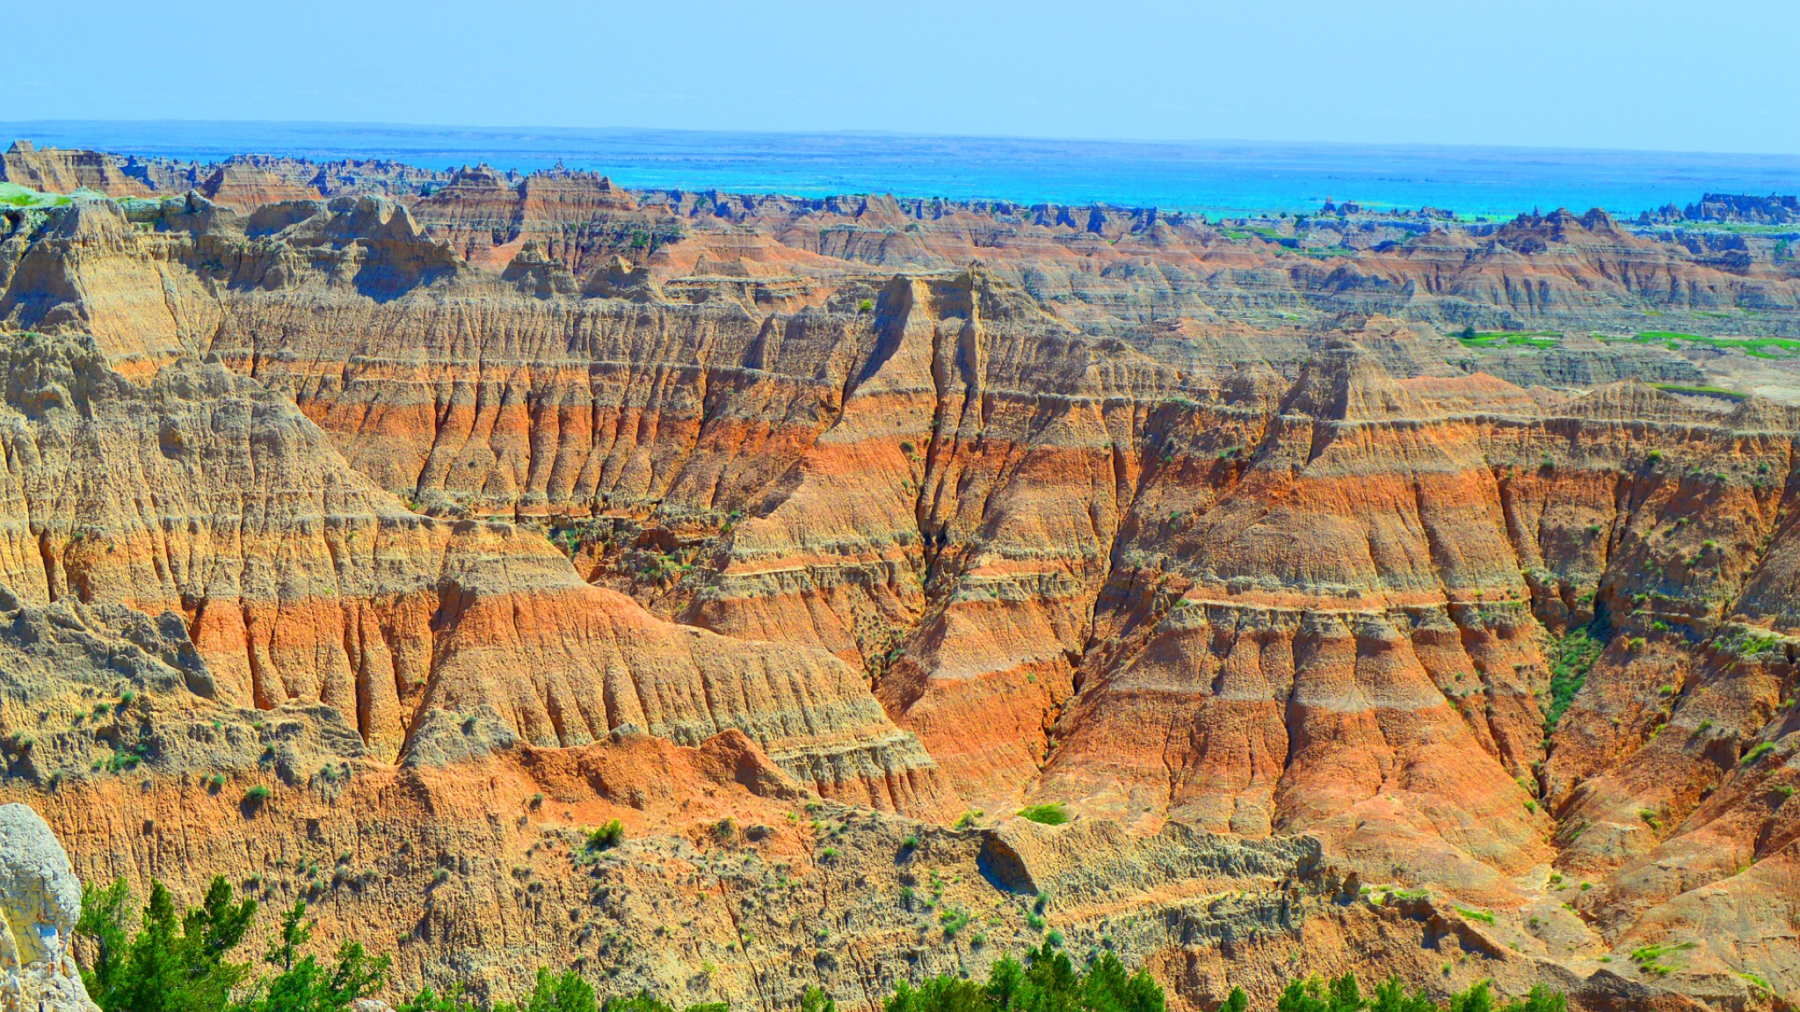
[
  {"x": 934, "y": 508},
  {"x": 203, "y": 497},
  {"x": 40, "y": 900},
  {"x": 245, "y": 187},
  {"x": 60, "y": 170}
]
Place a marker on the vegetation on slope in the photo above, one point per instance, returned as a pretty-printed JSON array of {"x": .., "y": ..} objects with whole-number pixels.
[
  {"x": 1756, "y": 347},
  {"x": 1575, "y": 655},
  {"x": 16, "y": 197},
  {"x": 180, "y": 964},
  {"x": 1050, "y": 814},
  {"x": 1472, "y": 338}
]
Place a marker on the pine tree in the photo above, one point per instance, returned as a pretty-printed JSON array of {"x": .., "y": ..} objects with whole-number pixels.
[{"x": 174, "y": 963}]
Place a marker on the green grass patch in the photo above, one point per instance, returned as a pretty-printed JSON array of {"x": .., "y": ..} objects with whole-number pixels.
[
  {"x": 1051, "y": 814},
  {"x": 1756, "y": 347},
  {"x": 1701, "y": 391},
  {"x": 1476, "y": 915},
  {"x": 1747, "y": 643},
  {"x": 16, "y": 197},
  {"x": 953, "y": 919},
  {"x": 1755, "y": 979},
  {"x": 1650, "y": 955},
  {"x": 1469, "y": 337},
  {"x": 1575, "y": 656}
]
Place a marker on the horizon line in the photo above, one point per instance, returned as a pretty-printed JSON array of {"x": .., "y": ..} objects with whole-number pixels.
[{"x": 1196, "y": 142}]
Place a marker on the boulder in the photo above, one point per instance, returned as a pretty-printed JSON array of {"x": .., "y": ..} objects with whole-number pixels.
[{"x": 40, "y": 900}]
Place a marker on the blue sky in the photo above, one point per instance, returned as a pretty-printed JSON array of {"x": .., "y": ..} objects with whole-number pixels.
[{"x": 1648, "y": 75}]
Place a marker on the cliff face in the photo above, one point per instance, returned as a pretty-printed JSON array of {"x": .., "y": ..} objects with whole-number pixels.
[
  {"x": 202, "y": 496},
  {"x": 470, "y": 524},
  {"x": 59, "y": 170}
]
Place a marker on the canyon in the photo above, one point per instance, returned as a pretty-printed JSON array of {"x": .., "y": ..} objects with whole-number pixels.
[{"x": 1378, "y": 591}]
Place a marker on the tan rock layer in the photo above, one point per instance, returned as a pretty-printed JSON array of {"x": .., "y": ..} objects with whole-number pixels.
[{"x": 202, "y": 495}]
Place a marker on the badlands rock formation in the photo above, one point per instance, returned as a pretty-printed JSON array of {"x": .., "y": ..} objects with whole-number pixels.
[
  {"x": 40, "y": 900},
  {"x": 793, "y": 532}
]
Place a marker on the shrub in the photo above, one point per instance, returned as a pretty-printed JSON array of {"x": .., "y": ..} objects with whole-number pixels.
[
  {"x": 256, "y": 795},
  {"x": 1050, "y": 814},
  {"x": 953, "y": 920},
  {"x": 1758, "y": 751},
  {"x": 607, "y": 836}
]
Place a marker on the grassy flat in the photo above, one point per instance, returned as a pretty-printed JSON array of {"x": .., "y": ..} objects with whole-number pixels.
[
  {"x": 1509, "y": 339},
  {"x": 1758, "y": 347},
  {"x": 1705, "y": 391},
  {"x": 16, "y": 197}
]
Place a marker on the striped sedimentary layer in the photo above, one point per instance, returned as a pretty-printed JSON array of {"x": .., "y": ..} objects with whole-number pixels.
[
  {"x": 1313, "y": 581},
  {"x": 201, "y": 495}
]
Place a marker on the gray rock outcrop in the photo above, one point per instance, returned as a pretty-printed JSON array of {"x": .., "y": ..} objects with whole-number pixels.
[{"x": 40, "y": 900}]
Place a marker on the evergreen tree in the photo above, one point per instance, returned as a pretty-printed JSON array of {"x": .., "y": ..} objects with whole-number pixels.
[
  {"x": 1391, "y": 996},
  {"x": 302, "y": 983},
  {"x": 560, "y": 992},
  {"x": 427, "y": 1000},
  {"x": 175, "y": 963},
  {"x": 643, "y": 1001}
]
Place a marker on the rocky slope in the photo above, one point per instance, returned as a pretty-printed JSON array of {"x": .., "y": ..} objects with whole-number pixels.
[
  {"x": 203, "y": 498},
  {"x": 466, "y": 525}
]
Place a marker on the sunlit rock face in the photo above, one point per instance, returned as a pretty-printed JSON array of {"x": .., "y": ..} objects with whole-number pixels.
[{"x": 466, "y": 521}]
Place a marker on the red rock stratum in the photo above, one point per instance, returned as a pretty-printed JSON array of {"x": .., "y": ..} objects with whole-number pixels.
[{"x": 793, "y": 532}]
